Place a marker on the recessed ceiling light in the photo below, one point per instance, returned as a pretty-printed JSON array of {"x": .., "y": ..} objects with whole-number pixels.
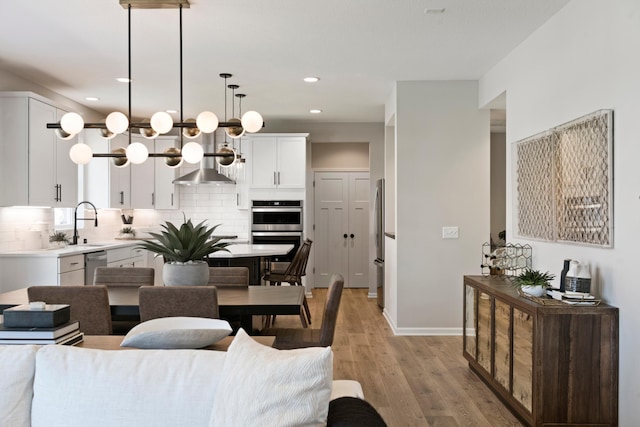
[
  {"x": 433, "y": 11},
  {"x": 315, "y": 111},
  {"x": 123, "y": 79},
  {"x": 311, "y": 79},
  {"x": 172, "y": 111},
  {"x": 92, "y": 98}
]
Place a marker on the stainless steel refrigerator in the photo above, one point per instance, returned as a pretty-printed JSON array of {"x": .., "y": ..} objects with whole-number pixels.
[{"x": 379, "y": 237}]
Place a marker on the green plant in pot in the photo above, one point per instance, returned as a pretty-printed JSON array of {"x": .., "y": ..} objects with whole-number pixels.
[
  {"x": 184, "y": 250},
  {"x": 59, "y": 238},
  {"x": 533, "y": 282},
  {"x": 128, "y": 232}
]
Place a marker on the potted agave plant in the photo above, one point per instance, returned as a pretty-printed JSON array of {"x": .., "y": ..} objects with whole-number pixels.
[
  {"x": 184, "y": 250},
  {"x": 533, "y": 282}
]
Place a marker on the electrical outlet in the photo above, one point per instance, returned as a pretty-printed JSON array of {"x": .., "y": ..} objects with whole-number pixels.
[{"x": 449, "y": 232}]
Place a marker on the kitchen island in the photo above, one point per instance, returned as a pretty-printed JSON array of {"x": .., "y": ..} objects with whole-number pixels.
[{"x": 255, "y": 257}]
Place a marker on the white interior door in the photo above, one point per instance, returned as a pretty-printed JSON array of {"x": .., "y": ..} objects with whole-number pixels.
[
  {"x": 341, "y": 211},
  {"x": 358, "y": 230},
  {"x": 331, "y": 225}
]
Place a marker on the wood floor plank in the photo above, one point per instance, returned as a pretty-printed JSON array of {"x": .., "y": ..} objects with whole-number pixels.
[{"x": 410, "y": 380}]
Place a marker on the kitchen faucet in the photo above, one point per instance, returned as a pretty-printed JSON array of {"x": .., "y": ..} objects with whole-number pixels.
[{"x": 75, "y": 220}]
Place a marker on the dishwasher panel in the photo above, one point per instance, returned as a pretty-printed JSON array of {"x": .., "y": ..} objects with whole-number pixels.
[{"x": 93, "y": 260}]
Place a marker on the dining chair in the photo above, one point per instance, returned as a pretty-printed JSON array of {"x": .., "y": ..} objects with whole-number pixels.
[
  {"x": 88, "y": 304},
  {"x": 229, "y": 276},
  {"x": 293, "y": 275},
  {"x": 172, "y": 301},
  {"x": 124, "y": 276},
  {"x": 290, "y": 338}
]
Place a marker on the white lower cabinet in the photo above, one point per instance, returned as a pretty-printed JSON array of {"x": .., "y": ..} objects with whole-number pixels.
[
  {"x": 127, "y": 257},
  {"x": 71, "y": 270}
]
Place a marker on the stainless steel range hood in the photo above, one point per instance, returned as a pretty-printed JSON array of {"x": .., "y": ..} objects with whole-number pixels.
[
  {"x": 203, "y": 176},
  {"x": 207, "y": 174}
]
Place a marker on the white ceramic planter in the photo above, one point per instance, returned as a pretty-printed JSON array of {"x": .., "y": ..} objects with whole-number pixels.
[
  {"x": 194, "y": 273},
  {"x": 534, "y": 291}
]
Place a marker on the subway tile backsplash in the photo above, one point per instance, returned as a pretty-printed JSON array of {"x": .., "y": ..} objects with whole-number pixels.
[{"x": 29, "y": 228}]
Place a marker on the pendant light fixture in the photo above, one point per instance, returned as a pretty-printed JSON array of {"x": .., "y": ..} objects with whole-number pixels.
[
  {"x": 227, "y": 161},
  {"x": 160, "y": 123}
]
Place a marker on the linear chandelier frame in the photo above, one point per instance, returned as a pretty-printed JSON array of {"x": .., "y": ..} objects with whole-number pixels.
[{"x": 182, "y": 125}]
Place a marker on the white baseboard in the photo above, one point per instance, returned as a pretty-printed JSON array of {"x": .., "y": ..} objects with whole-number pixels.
[{"x": 412, "y": 331}]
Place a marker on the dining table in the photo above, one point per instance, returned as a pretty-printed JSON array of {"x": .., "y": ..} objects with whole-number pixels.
[{"x": 233, "y": 302}]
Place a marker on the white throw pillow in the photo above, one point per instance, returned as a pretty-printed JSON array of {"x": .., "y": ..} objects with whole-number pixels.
[
  {"x": 81, "y": 387},
  {"x": 262, "y": 386},
  {"x": 17, "y": 367},
  {"x": 177, "y": 332}
]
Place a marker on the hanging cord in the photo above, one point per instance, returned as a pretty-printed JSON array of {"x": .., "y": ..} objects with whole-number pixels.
[
  {"x": 129, "y": 47},
  {"x": 181, "y": 104}
]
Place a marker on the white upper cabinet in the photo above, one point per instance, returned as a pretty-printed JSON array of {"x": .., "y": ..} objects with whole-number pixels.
[
  {"x": 278, "y": 161},
  {"x": 148, "y": 185},
  {"x": 106, "y": 185},
  {"x": 152, "y": 184},
  {"x": 35, "y": 161}
]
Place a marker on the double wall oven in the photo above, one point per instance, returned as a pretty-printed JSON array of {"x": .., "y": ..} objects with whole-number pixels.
[{"x": 277, "y": 222}]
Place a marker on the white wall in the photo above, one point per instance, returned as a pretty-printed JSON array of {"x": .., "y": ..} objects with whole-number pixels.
[
  {"x": 442, "y": 158},
  {"x": 498, "y": 184},
  {"x": 583, "y": 59}
]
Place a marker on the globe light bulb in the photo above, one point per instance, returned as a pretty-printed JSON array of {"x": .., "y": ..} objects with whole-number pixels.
[
  {"x": 137, "y": 153},
  {"x": 161, "y": 122},
  {"x": 226, "y": 161},
  {"x": 191, "y": 132},
  {"x": 117, "y": 122},
  {"x": 72, "y": 123},
  {"x": 192, "y": 152},
  {"x": 207, "y": 122},
  {"x": 120, "y": 162},
  {"x": 252, "y": 121},
  {"x": 235, "y": 131},
  {"x": 173, "y": 162},
  {"x": 80, "y": 154}
]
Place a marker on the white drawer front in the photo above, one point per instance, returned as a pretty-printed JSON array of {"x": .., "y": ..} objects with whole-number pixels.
[{"x": 71, "y": 263}]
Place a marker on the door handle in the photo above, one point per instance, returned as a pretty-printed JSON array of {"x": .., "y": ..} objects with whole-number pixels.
[
  {"x": 153, "y": 199},
  {"x": 274, "y": 178},
  {"x": 60, "y": 192},
  {"x": 352, "y": 235},
  {"x": 171, "y": 199},
  {"x": 278, "y": 178},
  {"x": 345, "y": 235},
  {"x": 122, "y": 197}
]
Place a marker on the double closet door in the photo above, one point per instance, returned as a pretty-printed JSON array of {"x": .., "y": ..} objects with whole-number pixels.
[{"x": 341, "y": 220}]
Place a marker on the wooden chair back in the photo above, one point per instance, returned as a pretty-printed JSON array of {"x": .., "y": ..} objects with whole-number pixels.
[
  {"x": 172, "y": 301},
  {"x": 298, "y": 265},
  {"x": 330, "y": 314},
  {"x": 88, "y": 304},
  {"x": 124, "y": 276},
  {"x": 229, "y": 276}
]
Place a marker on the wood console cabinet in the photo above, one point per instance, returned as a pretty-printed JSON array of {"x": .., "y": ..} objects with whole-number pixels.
[{"x": 551, "y": 365}]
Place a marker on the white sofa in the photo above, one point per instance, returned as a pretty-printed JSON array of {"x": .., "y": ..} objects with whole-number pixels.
[{"x": 68, "y": 386}]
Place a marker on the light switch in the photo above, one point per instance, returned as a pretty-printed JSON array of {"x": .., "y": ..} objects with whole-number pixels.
[{"x": 449, "y": 232}]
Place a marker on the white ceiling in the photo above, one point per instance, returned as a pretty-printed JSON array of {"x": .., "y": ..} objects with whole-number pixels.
[{"x": 358, "y": 48}]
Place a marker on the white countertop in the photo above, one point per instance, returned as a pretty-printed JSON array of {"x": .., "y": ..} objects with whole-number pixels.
[
  {"x": 72, "y": 249},
  {"x": 249, "y": 250},
  {"x": 237, "y": 250}
]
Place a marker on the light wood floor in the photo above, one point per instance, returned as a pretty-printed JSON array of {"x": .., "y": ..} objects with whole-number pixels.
[{"x": 411, "y": 381}]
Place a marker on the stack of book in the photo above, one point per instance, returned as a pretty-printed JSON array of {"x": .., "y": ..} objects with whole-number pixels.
[{"x": 39, "y": 323}]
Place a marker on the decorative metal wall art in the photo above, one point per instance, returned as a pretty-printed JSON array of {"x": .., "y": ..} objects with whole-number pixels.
[{"x": 565, "y": 182}]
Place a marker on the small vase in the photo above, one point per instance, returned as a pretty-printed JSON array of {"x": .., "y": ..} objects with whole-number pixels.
[
  {"x": 563, "y": 274},
  {"x": 534, "y": 291},
  {"x": 194, "y": 273}
]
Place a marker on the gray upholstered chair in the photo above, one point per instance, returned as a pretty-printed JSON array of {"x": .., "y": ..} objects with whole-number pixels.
[
  {"x": 229, "y": 276},
  {"x": 293, "y": 275},
  {"x": 124, "y": 276},
  {"x": 288, "y": 338},
  {"x": 172, "y": 301},
  {"x": 88, "y": 304},
  {"x": 119, "y": 277}
]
